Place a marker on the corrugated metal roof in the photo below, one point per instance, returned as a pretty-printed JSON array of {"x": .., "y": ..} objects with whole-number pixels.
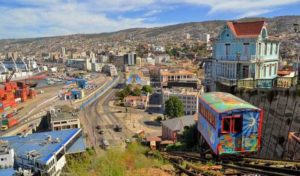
[
  {"x": 7, "y": 172},
  {"x": 222, "y": 102},
  {"x": 38, "y": 143}
]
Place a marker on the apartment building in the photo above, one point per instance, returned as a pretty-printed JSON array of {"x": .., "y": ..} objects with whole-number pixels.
[
  {"x": 188, "y": 97},
  {"x": 130, "y": 59}
]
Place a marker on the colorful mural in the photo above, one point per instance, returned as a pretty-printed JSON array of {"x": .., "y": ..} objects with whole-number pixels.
[
  {"x": 222, "y": 102},
  {"x": 134, "y": 79},
  {"x": 208, "y": 132},
  {"x": 251, "y": 121}
]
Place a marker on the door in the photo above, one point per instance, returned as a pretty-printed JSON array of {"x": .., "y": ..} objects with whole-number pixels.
[{"x": 246, "y": 71}]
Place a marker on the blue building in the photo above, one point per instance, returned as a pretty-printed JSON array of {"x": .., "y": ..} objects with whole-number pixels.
[
  {"x": 44, "y": 153},
  {"x": 244, "y": 56}
]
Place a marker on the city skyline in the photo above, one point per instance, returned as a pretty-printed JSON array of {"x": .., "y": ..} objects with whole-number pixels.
[{"x": 27, "y": 19}]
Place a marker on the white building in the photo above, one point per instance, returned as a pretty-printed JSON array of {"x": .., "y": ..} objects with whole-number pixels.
[
  {"x": 63, "y": 117},
  {"x": 161, "y": 58},
  {"x": 63, "y": 51},
  {"x": 188, "y": 97},
  {"x": 103, "y": 59},
  {"x": 161, "y": 49},
  {"x": 97, "y": 67},
  {"x": 6, "y": 155}
]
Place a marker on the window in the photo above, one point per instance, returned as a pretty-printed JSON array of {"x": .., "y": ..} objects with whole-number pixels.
[
  {"x": 275, "y": 69},
  {"x": 265, "y": 71},
  {"x": 227, "y": 48},
  {"x": 232, "y": 124},
  {"x": 266, "y": 48},
  {"x": 259, "y": 49},
  {"x": 226, "y": 125},
  {"x": 237, "y": 124},
  {"x": 246, "y": 48},
  {"x": 270, "y": 70},
  {"x": 271, "y": 50},
  {"x": 209, "y": 117}
]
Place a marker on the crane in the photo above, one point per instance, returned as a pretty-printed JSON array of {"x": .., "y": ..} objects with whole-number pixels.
[{"x": 8, "y": 77}]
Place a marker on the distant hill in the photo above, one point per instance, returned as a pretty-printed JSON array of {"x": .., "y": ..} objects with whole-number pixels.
[{"x": 282, "y": 25}]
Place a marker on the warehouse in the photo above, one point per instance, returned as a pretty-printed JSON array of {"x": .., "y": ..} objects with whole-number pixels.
[{"x": 44, "y": 153}]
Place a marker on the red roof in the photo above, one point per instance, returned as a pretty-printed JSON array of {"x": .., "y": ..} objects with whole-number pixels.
[{"x": 246, "y": 29}]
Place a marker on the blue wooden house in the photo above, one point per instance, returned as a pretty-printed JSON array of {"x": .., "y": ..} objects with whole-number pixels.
[{"x": 244, "y": 56}]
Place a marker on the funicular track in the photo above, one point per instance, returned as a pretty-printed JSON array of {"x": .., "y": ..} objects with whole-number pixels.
[{"x": 230, "y": 165}]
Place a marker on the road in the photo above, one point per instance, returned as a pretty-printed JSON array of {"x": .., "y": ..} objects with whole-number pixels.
[{"x": 99, "y": 113}]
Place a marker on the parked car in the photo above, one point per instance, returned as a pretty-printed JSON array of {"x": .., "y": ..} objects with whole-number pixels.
[
  {"x": 118, "y": 128},
  {"x": 101, "y": 131},
  {"x": 104, "y": 144}
]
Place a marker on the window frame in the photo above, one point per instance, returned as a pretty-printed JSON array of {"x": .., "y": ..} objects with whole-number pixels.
[
  {"x": 223, "y": 121},
  {"x": 231, "y": 124}
]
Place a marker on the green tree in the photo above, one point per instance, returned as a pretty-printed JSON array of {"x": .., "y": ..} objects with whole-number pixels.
[
  {"x": 148, "y": 89},
  {"x": 174, "y": 107},
  {"x": 136, "y": 92}
]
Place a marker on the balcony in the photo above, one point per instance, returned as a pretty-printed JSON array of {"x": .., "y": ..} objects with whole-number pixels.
[
  {"x": 226, "y": 81},
  {"x": 234, "y": 58},
  {"x": 252, "y": 58},
  {"x": 279, "y": 82}
]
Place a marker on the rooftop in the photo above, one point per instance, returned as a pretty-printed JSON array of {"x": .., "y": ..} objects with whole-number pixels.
[
  {"x": 63, "y": 113},
  {"x": 178, "y": 124},
  {"x": 42, "y": 146},
  {"x": 182, "y": 90},
  {"x": 176, "y": 72},
  {"x": 223, "y": 102},
  {"x": 246, "y": 29}
]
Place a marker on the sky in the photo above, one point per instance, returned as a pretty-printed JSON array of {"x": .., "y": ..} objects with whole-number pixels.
[{"x": 40, "y": 18}]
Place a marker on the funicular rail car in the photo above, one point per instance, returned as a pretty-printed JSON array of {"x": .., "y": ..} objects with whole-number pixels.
[{"x": 228, "y": 124}]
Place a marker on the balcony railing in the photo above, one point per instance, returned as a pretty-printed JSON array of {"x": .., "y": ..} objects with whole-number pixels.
[
  {"x": 279, "y": 82},
  {"x": 286, "y": 82},
  {"x": 226, "y": 81},
  {"x": 256, "y": 58},
  {"x": 234, "y": 58}
]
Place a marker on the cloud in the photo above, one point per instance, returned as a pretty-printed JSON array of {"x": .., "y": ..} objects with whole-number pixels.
[
  {"x": 61, "y": 19},
  {"x": 35, "y": 18}
]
